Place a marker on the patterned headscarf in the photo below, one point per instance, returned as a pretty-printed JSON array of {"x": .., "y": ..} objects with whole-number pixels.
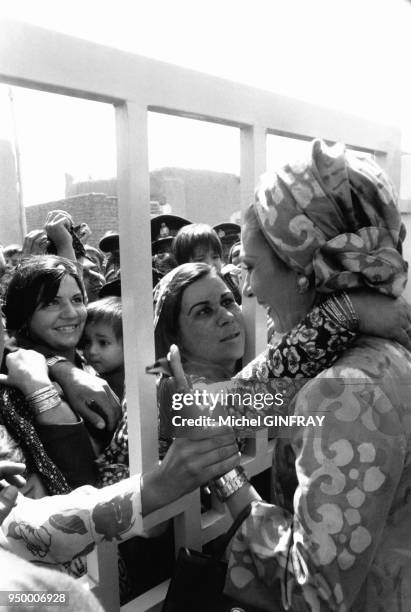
[{"x": 334, "y": 216}]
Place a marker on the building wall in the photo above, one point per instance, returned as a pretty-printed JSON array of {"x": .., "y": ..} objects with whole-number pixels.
[
  {"x": 202, "y": 196},
  {"x": 96, "y": 209}
]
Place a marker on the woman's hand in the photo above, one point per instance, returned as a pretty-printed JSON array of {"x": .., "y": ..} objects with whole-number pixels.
[
  {"x": 26, "y": 370},
  {"x": 176, "y": 367},
  {"x": 90, "y": 396},
  {"x": 383, "y": 316},
  {"x": 188, "y": 464},
  {"x": 35, "y": 243}
]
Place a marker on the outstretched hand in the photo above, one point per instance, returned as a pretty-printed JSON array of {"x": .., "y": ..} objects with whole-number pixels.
[{"x": 188, "y": 464}]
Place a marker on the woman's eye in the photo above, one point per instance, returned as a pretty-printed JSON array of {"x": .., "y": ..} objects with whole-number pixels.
[
  {"x": 78, "y": 300},
  {"x": 51, "y": 303},
  {"x": 227, "y": 302},
  {"x": 204, "y": 311}
]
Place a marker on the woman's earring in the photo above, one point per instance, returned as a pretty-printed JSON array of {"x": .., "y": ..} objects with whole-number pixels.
[{"x": 303, "y": 284}]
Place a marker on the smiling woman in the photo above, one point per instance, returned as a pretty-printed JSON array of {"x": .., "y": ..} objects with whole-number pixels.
[
  {"x": 59, "y": 323},
  {"x": 45, "y": 305},
  {"x": 45, "y": 310}
]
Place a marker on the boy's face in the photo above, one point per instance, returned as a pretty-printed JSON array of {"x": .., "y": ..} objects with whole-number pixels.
[
  {"x": 102, "y": 349},
  {"x": 208, "y": 256}
]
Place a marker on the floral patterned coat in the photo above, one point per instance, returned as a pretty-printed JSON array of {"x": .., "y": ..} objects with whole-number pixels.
[{"x": 345, "y": 541}]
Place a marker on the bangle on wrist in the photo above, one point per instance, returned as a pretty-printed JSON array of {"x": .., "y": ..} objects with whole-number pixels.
[
  {"x": 226, "y": 485},
  {"x": 340, "y": 310},
  {"x": 43, "y": 399},
  {"x": 51, "y": 361}
]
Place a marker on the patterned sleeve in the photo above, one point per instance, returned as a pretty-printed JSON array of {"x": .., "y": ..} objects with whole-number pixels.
[
  {"x": 55, "y": 530},
  {"x": 348, "y": 471}
]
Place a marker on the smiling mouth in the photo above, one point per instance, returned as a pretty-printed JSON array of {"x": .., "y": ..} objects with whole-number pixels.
[
  {"x": 67, "y": 329},
  {"x": 231, "y": 337}
]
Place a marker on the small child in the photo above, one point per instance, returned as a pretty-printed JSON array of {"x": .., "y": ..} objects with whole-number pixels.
[
  {"x": 102, "y": 342},
  {"x": 199, "y": 242}
]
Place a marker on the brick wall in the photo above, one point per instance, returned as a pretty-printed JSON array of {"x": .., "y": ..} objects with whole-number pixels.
[
  {"x": 96, "y": 209},
  {"x": 198, "y": 195}
]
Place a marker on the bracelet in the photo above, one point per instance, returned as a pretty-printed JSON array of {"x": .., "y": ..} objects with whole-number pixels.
[
  {"x": 340, "y": 313},
  {"x": 51, "y": 361},
  {"x": 354, "y": 317},
  {"x": 225, "y": 486},
  {"x": 43, "y": 399}
]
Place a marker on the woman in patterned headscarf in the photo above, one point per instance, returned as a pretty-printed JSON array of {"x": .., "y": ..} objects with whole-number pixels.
[{"x": 343, "y": 542}]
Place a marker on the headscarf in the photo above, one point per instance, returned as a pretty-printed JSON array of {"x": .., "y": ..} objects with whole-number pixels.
[{"x": 335, "y": 217}]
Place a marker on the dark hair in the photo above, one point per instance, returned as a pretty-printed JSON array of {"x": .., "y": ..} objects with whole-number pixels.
[
  {"x": 90, "y": 251},
  {"x": 36, "y": 281},
  {"x": 12, "y": 249},
  {"x": 192, "y": 236},
  {"x": 167, "y": 328},
  {"x": 107, "y": 310}
]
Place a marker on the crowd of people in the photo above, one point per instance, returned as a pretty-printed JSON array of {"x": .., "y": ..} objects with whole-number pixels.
[{"x": 322, "y": 251}]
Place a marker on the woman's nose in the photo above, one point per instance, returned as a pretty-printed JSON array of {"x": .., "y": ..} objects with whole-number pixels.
[
  {"x": 68, "y": 311},
  {"x": 247, "y": 291},
  {"x": 225, "y": 316}
]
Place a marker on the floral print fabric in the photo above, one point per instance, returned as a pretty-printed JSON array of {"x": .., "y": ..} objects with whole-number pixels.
[
  {"x": 310, "y": 347},
  {"x": 335, "y": 216},
  {"x": 345, "y": 541}
]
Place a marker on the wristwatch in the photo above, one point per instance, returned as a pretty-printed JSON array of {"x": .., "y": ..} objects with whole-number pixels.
[
  {"x": 225, "y": 486},
  {"x": 51, "y": 361}
]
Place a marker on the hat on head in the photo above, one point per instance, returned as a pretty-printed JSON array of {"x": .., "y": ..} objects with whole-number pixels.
[
  {"x": 109, "y": 242},
  {"x": 228, "y": 232},
  {"x": 163, "y": 230}
]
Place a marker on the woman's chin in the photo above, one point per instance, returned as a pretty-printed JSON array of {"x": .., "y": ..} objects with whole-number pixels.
[{"x": 66, "y": 342}]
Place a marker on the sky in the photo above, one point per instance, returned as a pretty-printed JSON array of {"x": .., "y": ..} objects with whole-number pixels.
[{"x": 351, "y": 55}]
